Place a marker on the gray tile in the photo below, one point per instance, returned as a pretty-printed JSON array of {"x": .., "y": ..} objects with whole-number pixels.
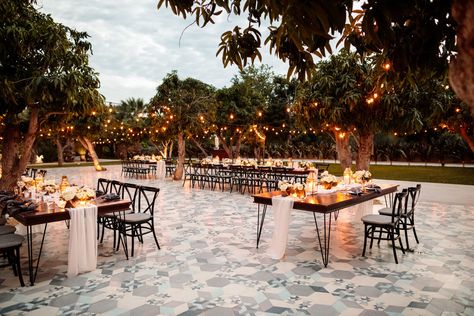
[
  {"x": 65, "y": 300},
  {"x": 102, "y": 306}
]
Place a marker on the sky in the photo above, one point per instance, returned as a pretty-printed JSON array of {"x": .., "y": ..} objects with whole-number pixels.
[{"x": 135, "y": 45}]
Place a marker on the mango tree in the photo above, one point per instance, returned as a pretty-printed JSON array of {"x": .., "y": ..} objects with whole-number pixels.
[
  {"x": 44, "y": 73},
  {"x": 182, "y": 108}
]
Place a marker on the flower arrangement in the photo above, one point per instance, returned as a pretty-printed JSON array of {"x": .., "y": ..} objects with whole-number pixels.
[
  {"x": 78, "y": 193},
  {"x": 305, "y": 165},
  {"x": 328, "y": 180},
  {"x": 295, "y": 189},
  {"x": 206, "y": 161},
  {"x": 284, "y": 185},
  {"x": 362, "y": 175},
  {"x": 25, "y": 182},
  {"x": 277, "y": 163},
  {"x": 49, "y": 186},
  {"x": 248, "y": 162}
]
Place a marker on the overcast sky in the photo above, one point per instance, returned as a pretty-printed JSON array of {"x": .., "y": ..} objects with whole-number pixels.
[{"x": 135, "y": 45}]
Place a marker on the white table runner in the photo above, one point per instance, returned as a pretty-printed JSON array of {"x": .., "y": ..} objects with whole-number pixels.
[
  {"x": 82, "y": 256},
  {"x": 281, "y": 214},
  {"x": 160, "y": 169}
]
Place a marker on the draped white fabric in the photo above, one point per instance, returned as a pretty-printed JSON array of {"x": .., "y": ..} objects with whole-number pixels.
[
  {"x": 362, "y": 209},
  {"x": 281, "y": 207},
  {"x": 82, "y": 256},
  {"x": 160, "y": 169}
]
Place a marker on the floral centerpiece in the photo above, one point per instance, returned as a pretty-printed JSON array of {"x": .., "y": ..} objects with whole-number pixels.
[
  {"x": 248, "y": 162},
  {"x": 328, "y": 180},
  {"x": 78, "y": 193},
  {"x": 26, "y": 182},
  {"x": 362, "y": 176},
  {"x": 305, "y": 165},
  {"x": 294, "y": 189},
  {"x": 277, "y": 163},
  {"x": 49, "y": 186},
  {"x": 206, "y": 161}
]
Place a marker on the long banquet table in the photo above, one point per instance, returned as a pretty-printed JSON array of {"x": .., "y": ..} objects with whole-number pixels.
[
  {"x": 45, "y": 215},
  {"x": 325, "y": 204}
]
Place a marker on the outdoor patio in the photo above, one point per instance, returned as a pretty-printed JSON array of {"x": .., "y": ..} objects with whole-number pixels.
[{"x": 208, "y": 263}]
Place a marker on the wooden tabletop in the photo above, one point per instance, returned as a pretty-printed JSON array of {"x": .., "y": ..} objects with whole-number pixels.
[
  {"x": 44, "y": 214},
  {"x": 325, "y": 203}
]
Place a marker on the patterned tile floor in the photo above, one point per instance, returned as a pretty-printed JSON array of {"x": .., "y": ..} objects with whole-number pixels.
[{"x": 209, "y": 265}]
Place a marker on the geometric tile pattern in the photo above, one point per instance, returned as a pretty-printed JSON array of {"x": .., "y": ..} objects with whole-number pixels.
[{"x": 208, "y": 264}]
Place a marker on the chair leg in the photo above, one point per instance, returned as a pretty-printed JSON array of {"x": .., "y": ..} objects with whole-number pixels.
[
  {"x": 391, "y": 232},
  {"x": 401, "y": 245},
  {"x": 412, "y": 223},
  {"x": 18, "y": 266},
  {"x": 372, "y": 238},
  {"x": 414, "y": 233},
  {"x": 365, "y": 240},
  {"x": 154, "y": 236},
  {"x": 380, "y": 237},
  {"x": 133, "y": 239},
  {"x": 12, "y": 260},
  {"x": 103, "y": 230},
  {"x": 405, "y": 228}
]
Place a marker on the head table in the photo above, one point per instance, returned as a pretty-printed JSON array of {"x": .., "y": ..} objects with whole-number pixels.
[
  {"x": 324, "y": 204},
  {"x": 45, "y": 214}
]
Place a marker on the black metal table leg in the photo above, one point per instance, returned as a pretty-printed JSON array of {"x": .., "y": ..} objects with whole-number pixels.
[
  {"x": 260, "y": 224},
  {"x": 33, "y": 271},
  {"x": 324, "y": 244}
]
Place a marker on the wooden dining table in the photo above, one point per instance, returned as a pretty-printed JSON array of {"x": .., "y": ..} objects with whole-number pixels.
[
  {"x": 328, "y": 205},
  {"x": 45, "y": 214}
]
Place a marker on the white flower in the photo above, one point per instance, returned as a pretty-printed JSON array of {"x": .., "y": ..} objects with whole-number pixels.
[
  {"x": 69, "y": 194},
  {"x": 328, "y": 178},
  {"x": 362, "y": 175},
  {"x": 284, "y": 185},
  {"x": 299, "y": 186}
]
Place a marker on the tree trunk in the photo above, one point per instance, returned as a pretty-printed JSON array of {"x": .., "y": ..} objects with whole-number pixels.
[
  {"x": 178, "y": 173},
  {"x": 467, "y": 138},
  {"x": 366, "y": 142},
  {"x": 226, "y": 147},
  {"x": 60, "y": 149},
  {"x": 343, "y": 149},
  {"x": 170, "y": 150},
  {"x": 198, "y": 144},
  {"x": 14, "y": 159},
  {"x": 90, "y": 148},
  {"x": 236, "y": 153},
  {"x": 461, "y": 68}
]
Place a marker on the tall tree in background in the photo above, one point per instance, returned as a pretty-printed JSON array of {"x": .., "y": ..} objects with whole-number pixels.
[
  {"x": 414, "y": 35},
  {"x": 44, "y": 72},
  {"x": 182, "y": 108},
  {"x": 241, "y": 106},
  {"x": 348, "y": 97}
]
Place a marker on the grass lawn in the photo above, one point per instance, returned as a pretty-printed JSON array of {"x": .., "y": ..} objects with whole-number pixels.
[{"x": 454, "y": 175}]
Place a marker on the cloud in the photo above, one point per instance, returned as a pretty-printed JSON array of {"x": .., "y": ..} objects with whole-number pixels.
[{"x": 135, "y": 45}]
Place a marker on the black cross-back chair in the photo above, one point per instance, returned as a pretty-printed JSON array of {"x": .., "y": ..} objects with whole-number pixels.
[
  {"x": 141, "y": 222},
  {"x": 129, "y": 192},
  {"x": 103, "y": 185},
  {"x": 389, "y": 225},
  {"x": 407, "y": 217},
  {"x": 107, "y": 220},
  {"x": 10, "y": 245}
]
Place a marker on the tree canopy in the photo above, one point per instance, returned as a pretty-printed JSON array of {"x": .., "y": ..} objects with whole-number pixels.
[{"x": 44, "y": 71}]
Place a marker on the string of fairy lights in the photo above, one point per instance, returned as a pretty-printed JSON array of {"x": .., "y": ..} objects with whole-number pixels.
[{"x": 118, "y": 131}]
